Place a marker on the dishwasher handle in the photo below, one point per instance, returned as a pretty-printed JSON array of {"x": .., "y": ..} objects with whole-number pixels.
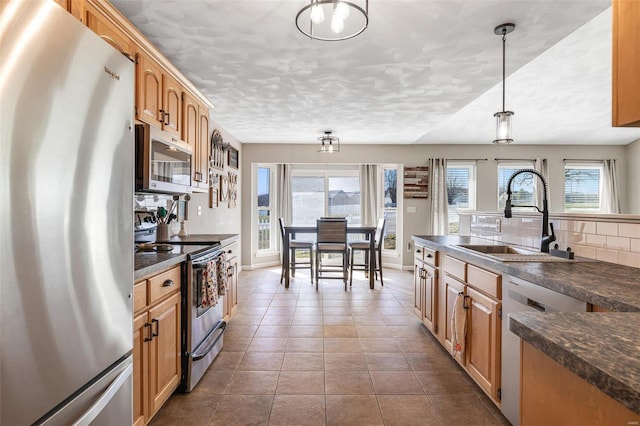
[
  {"x": 536, "y": 305},
  {"x": 527, "y": 301}
]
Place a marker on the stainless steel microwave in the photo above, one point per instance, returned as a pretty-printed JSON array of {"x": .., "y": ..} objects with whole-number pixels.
[{"x": 163, "y": 162}]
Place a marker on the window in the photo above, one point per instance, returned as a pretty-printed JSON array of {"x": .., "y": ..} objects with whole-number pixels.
[
  {"x": 316, "y": 194},
  {"x": 266, "y": 223},
  {"x": 461, "y": 191},
  {"x": 582, "y": 187},
  {"x": 522, "y": 188},
  {"x": 390, "y": 188}
]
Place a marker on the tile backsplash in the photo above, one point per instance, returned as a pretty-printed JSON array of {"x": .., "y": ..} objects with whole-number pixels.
[{"x": 606, "y": 238}]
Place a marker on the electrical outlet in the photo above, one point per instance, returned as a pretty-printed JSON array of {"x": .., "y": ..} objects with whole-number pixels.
[
  {"x": 498, "y": 225},
  {"x": 409, "y": 247},
  {"x": 199, "y": 210}
]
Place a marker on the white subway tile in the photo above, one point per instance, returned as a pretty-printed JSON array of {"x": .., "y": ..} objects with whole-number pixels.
[
  {"x": 618, "y": 243},
  {"x": 582, "y": 227},
  {"x": 607, "y": 255},
  {"x": 635, "y": 245},
  {"x": 596, "y": 240},
  {"x": 607, "y": 228},
  {"x": 630, "y": 259},
  {"x": 631, "y": 230},
  {"x": 585, "y": 251}
]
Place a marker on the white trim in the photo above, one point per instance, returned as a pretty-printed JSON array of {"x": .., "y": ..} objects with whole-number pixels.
[{"x": 260, "y": 265}]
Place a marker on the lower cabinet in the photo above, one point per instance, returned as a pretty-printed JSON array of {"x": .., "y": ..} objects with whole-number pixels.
[
  {"x": 425, "y": 277},
  {"x": 231, "y": 298},
  {"x": 451, "y": 287},
  {"x": 156, "y": 343}
]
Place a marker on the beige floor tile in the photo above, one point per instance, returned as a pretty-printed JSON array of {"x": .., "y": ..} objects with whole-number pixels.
[
  {"x": 303, "y": 361},
  {"x": 253, "y": 383},
  {"x": 408, "y": 410},
  {"x": 251, "y": 310},
  {"x": 301, "y": 383},
  {"x": 415, "y": 344},
  {"x": 307, "y": 320},
  {"x": 336, "y": 310},
  {"x": 197, "y": 409},
  {"x": 353, "y": 410},
  {"x": 454, "y": 411},
  {"x": 241, "y": 319},
  {"x": 385, "y": 345},
  {"x": 400, "y": 319},
  {"x": 340, "y": 331},
  {"x": 304, "y": 344},
  {"x": 305, "y": 330},
  {"x": 308, "y": 310},
  {"x": 298, "y": 410},
  {"x": 345, "y": 361},
  {"x": 237, "y": 330},
  {"x": 272, "y": 331},
  {"x": 268, "y": 344},
  {"x": 386, "y": 361},
  {"x": 348, "y": 383},
  {"x": 261, "y": 361},
  {"x": 281, "y": 310},
  {"x": 368, "y": 320},
  {"x": 237, "y": 410},
  {"x": 395, "y": 383},
  {"x": 236, "y": 344},
  {"x": 445, "y": 382},
  {"x": 214, "y": 382},
  {"x": 302, "y": 302},
  {"x": 438, "y": 361},
  {"x": 227, "y": 361},
  {"x": 407, "y": 330},
  {"x": 375, "y": 331},
  {"x": 338, "y": 320},
  {"x": 277, "y": 320},
  {"x": 342, "y": 345}
]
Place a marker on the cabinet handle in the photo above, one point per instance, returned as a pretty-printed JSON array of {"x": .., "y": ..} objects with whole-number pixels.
[
  {"x": 464, "y": 302},
  {"x": 418, "y": 251},
  {"x": 157, "y": 333},
  {"x": 162, "y": 113},
  {"x": 166, "y": 118},
  {"x": 429, "y": 255},
  {"x": 150, "y": 338},
  {"x": 167, "y": 283}
]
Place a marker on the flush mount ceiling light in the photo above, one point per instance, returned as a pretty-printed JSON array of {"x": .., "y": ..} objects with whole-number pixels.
[
  {"x": 333, "y": 20},
  {"x": 329, "y": 144},
  {"x": 503, "y": 118}
]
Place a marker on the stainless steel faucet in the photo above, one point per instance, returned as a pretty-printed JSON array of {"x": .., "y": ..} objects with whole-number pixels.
[{"x": 546, "y": 238}]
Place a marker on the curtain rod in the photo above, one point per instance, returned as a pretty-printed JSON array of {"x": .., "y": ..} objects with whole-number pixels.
[
  {"x": 514, "y": 159},
  {"x": 467, "y": 159},
  {"x": 583, "y": 161}
]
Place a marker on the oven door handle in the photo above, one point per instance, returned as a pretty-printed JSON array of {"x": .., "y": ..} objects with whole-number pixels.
[{"x": 196, "y": 356}]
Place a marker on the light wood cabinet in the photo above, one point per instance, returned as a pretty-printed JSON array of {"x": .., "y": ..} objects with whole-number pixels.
[
  {"x": 451, "y": 287},
  {"x": 553, "y": 395},
  {"x": 626, "y": 63},
  {"x": 231, "y": 297},
  {"x": 425, "y": 276},
  {"x": 203, "y": 147},
  {"x": 483, "y": 341},
  {"x": 158, "y": 96},
  {"x": 109, "y": 31},
  {"x": 195, "y": 131},
  {"x": 156, "y": 343},
  {"x": 75, "y": 7}
]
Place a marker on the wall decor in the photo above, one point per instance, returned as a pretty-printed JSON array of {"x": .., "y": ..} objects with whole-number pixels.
[
  {"x": 416, "y": 182},
  {"x": 214, "y": 190},
  {"x": 224, "y": 188},
  {"x": 233, "y": 158},
  {"x": 217, "y": 150},
  {"x": 233, "y": 189}
]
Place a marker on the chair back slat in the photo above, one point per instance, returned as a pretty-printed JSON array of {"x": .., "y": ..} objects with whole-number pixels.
[
  {"x": 380, "y": 230},
  {"x": 281, "y": 221},
  {"x": 331, "y": 231}
]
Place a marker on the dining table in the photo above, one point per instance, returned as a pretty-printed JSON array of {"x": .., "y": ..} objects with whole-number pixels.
[{"x": 291, "y": 231}]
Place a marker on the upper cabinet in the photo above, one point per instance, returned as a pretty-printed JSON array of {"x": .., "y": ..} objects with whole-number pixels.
[
  {"x": 195, "y": 131},
  {"x": 626, "y": 63},
  {"x": 203, "y": 149},
  {"x": 158, "y": 96},
  {"x": 75, "y": 7},
  {"x": 109, "y": 31}
]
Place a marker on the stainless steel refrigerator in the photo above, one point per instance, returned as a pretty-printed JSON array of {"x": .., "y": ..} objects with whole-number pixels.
[{"x": 66, "y": 234}]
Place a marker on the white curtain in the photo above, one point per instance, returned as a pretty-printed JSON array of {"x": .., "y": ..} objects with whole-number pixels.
[
  {"x": 283, "y": 193},
  {"x": 541, "y": 166},
  {"x": 610, "y": 197},
  {"x": 439, "y": 220},
  {"x": 369, "y": 194}
]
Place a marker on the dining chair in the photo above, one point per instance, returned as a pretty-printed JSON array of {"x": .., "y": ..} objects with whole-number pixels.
[
  {"x": 294, "y": 247},
  {"x": 331, "y": 238},
  {"x": 363, "y": 245}
]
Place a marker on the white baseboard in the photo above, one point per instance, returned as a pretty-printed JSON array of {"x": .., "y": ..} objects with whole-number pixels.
[{"x": 260, "y": 265}]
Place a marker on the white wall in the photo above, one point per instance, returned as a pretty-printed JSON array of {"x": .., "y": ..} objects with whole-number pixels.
[
  {"x": 632, "y": 180},
  {"x": 416, "y": 155}
]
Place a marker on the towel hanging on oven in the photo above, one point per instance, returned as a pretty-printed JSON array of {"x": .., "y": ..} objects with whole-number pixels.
[
  {"x": 209, "y": 290},
  {"x": 222, "y": 275}
]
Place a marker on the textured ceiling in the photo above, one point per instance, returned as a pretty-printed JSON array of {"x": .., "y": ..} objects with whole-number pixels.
[{"x": 423, "y": 72}]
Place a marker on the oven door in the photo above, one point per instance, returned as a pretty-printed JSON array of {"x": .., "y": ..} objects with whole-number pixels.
[{"x": 202, "y": 319}]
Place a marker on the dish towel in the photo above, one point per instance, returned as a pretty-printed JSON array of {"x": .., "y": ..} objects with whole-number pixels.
[
  {"x": 222, "y": 275},
  {"x": 458, "y": 325},
  {"x": 209, "y": 290}
]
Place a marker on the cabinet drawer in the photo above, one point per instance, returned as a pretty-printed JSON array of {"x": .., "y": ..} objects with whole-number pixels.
[
  {"x": 139, "y": 295},
  {"x": 430, "y": 256},
  {"x": 455, "y": 268},
  {"x": 485, "y": 281},
  {"x": 164, "y": 284}
]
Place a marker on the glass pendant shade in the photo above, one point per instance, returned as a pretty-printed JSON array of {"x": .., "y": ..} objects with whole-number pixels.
[
  {"x": 317, "y": 14},
  {"x": 333, "y": 20},
  {"x": 503, "y": 127},
  {"x": 329, "y": 144},
  {"x": 337, "y": 24}
]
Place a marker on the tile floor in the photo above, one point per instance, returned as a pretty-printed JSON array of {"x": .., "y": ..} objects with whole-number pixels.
[{"x": 300, "y": 357}]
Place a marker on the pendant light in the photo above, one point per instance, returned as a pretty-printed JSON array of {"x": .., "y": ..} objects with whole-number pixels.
[
  {"x": 503, "y": 118},
  {"x": 344, "y": 19},
  {"x": 328, "y": 143}
]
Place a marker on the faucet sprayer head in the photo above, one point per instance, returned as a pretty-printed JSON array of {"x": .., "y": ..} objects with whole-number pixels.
[{"x": 507, "y": 207}]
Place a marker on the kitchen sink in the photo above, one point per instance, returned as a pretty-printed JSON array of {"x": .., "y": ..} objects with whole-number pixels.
[{"x": 506, "y": 253}]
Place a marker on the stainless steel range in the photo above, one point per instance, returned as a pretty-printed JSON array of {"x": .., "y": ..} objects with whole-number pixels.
[{"x": 202, "y": 319}]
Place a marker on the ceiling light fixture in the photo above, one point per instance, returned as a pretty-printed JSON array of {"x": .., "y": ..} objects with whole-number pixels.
[
  {"x": 503, "y": 118},
  {"x": 347, "y": 19},
  {"x": 329, "y": 144}
]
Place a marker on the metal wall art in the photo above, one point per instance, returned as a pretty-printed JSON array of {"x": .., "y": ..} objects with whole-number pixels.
[
  {"x": 214, "y": 190},
  {"x": 218, "y": 150}
]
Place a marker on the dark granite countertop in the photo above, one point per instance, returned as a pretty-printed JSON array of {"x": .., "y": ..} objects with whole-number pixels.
[
  {"x": 601, "y": 348},
  {"x": 611, "y": 286},
  {"x": 148, "y": 263},
  {"x": 207, "y": 239}
]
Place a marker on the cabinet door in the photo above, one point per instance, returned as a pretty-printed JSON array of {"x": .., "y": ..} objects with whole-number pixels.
[
  {"x": 483, "y": 346},
  {"x": 164, "y": 358},
  {"x": 430, "y": 295},
  {"x": 626, "y": 63},
  {"x": 109, "y": 32},
  {"x": 203, "y": 144},
  {"x": 418, "y": 278},
  {"x": 140, "y": 370},
  {"x": 172, "y": 102},
  {"x": 190, "y": 123},
  {"x": 149, "y": 91},
  {"x": 451, "y": 287}
]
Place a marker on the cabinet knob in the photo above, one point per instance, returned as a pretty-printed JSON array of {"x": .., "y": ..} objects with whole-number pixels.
[{"x": 429, "y": 255}]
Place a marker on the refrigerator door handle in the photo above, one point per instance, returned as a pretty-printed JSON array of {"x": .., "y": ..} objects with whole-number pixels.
[{"x": 97, "y": 407}]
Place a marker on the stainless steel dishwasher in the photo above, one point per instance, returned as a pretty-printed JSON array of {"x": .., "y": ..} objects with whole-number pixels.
[{"x": 522, "y": 296}]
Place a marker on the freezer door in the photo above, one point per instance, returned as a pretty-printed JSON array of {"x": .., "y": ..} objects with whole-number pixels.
[
  {"x": 107, "y": 402},
  {"x": 66, "y": 167}
]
